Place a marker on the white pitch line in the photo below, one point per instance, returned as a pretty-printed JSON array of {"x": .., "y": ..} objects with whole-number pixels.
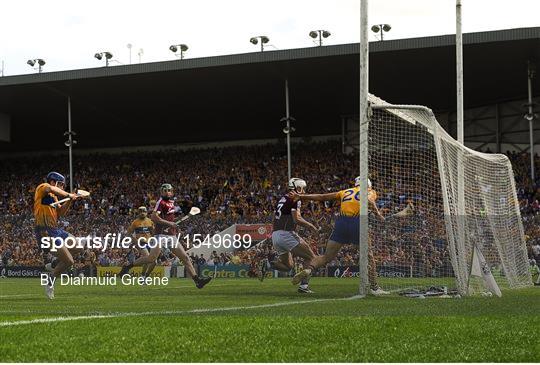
[
  {"x": 18, "y": 295},
  {"x": 139, "y": 314},
  {"x": 189, "y": 286},
  {"x": 172, "y": 287}
]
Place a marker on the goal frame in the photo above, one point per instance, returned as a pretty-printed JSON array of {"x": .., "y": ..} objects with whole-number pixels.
[
  {"x": 453, "y": 257},
  {"x": 458, "y": 246},
  {"x": 364, "y": 139}
]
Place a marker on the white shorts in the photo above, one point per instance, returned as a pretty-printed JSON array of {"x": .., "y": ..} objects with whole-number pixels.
[{"x": 284, "y": 241}]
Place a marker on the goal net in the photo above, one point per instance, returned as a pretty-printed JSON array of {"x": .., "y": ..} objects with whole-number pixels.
[{"x": 459, "y": 226}]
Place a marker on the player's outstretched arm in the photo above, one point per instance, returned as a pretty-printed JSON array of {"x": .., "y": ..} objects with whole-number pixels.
[
  {"x": 316, "y": 197},
  {"x": 373, "y": 207}
]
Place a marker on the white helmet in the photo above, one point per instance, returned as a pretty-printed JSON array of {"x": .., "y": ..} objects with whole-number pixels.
[
  {"x": 296, "y": 183},
  {"x": 357, "y": 182}
]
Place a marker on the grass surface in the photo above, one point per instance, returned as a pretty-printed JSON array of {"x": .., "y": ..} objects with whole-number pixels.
[{"x": 239, "y": 320}]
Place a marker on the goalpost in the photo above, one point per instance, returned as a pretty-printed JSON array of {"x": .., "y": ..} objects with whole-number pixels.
[{"x": 466, "y": 230}]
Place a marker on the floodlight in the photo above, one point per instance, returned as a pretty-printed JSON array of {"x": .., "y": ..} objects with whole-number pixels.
[
  {"x": 264, "y": 39},
  {"x": 381, "y": 28},
  {"x": 183, "y": 47},
  {"x": 40, "y": 62},
  {"x": 320, "y": 34},
  {"x": 529, "y": 116},
  {"x": 106, "y": 54}
]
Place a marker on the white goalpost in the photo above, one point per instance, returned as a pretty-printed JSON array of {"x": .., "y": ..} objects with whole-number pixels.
[
  {"x": 363, "y": 148},
  {"x": 466, "y": 231}
]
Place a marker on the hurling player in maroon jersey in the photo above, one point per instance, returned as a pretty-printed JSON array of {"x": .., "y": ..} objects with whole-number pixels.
[
  {"x": 163, "y": 216},
  {"x": 286, "y": 241}
]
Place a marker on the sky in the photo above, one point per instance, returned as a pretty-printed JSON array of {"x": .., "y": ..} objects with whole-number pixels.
[{"x": 67, "y": 34}]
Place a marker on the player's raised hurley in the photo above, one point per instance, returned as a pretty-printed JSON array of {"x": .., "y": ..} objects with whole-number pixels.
[
  {"x": 193, "y": 211},
  {"x": 80, "y": 193}
]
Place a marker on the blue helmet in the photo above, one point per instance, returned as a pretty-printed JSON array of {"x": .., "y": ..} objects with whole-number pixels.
[{"x": 55, "y": 176}]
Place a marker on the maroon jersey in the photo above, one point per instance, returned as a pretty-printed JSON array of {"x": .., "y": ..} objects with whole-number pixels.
[
  {"x": 165, "y": 210},
  {"x": 283, "y": 219}
]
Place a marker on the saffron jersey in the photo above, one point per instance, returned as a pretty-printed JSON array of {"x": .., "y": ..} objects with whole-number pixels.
[
  {"x": 350, "y": 201},
  {"x": 142, "y": 229},
  {"x": 44, "y": 214}
]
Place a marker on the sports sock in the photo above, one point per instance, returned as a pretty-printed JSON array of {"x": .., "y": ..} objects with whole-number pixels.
[
  {"x": 50, "y": 282},
  {"x": 125, "y": 269}
]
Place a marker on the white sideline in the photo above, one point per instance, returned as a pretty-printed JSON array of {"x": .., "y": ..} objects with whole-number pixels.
[{"x": 138, "y": 314}]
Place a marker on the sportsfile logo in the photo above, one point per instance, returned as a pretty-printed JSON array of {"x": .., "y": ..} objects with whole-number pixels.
[
  {"x": 117, "y": 240},
  {"x": 110, "y": 240}
]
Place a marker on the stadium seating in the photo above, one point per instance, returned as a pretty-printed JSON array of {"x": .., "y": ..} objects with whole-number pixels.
[{"x": 231, "y": 185}]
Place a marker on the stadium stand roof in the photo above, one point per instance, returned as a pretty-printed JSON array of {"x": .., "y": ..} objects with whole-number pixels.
[{"x": 242, "y": 96}]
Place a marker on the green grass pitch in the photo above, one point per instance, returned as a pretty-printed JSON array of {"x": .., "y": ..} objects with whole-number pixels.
[{"x": 239, "y": 320}]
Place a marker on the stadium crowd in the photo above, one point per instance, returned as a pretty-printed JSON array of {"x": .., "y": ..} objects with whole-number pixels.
[{"x": 230, "y": 185}]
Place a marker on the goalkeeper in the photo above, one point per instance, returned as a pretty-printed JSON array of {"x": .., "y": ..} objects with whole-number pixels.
[{"x": 346, "y": 230}]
